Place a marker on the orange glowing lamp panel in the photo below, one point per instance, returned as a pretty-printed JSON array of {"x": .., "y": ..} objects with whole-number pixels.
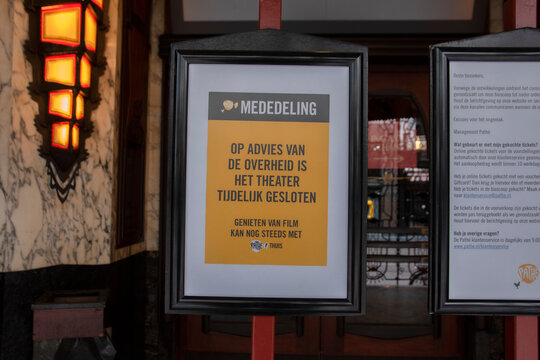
[
  {"x": 90, "y": 29},
  {"x": 61, "y": 24},
  {"x": 61, "y": 69},
  {"x": 61, "y": 103},
  {"x": 99, "y": 3},
  {"x": 60, "y": 135},
  {"x": 86, "y": 72},
  {"x": 79, "y": 107},
  {"x": 75, "y": 137}
]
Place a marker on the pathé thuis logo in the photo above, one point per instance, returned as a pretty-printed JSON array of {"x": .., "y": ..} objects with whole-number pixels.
[
  {"x": 257, "y": 245},
  {"x": 528, "y": 273}
]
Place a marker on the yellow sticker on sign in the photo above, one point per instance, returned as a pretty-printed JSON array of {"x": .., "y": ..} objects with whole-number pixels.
[{"x": 267, "y": 179}]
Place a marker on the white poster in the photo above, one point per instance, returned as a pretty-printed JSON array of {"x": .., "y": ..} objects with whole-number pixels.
[
  {"x": 494, "y": 134},
  {"x": 253, "y": 231}
]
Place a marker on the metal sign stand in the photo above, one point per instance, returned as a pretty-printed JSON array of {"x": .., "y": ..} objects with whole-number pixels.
[
  {"x": 521, "y": 337},
  {"x": 270, "y": 14},
  {"x": 263, "y": 327},
  {"x": 262, "y": 337},
  {"x": 521, "y": 331}
]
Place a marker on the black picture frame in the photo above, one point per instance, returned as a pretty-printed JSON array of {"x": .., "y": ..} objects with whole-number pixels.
[
  {"x": 266, "y": 47},
  {"x": 517, "y": 45},
  {"x": 475, "y": 25}
]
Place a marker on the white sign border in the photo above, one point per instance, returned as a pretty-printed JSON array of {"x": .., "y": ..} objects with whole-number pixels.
[{"x": 267, "y": 281}]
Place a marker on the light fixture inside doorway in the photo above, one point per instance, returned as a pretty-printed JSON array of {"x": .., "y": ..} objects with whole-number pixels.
[{"x": 64, "y": 48}]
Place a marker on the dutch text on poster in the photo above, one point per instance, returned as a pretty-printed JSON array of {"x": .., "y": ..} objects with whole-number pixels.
[
  {"x": 494, "y": 117},
  {"x": 267, "y": 179}
]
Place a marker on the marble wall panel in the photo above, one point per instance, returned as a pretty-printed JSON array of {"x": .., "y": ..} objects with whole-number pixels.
[
  {"x": 154, "y": 129},
  {"x": 6, "y": 41},
  {"x": 37, "y": 229}
]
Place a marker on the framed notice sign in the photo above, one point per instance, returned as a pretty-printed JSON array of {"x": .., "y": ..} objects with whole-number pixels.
[
  {"x": 265, "y": 182},
  {"x": 486, "y": 175}
]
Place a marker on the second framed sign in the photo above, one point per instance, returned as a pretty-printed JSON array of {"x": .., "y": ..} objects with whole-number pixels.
[
  {"x": 485, "y": 173},
  {"x": 265, "y": 169}
]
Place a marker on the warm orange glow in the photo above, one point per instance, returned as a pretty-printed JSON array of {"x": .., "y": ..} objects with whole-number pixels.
[
  {"x": 79, "y": 107},
  {"x": 98, "y": 3},
  {"x": 86, "y": 70},
  {"x": 60, "y": 69},
  {"x": 60, "y": 135},
  {"x": 61, "y": 24},
  {"x": 75, "y": 137},
  {"x": 90, "y": 29},
  {"x": 61, "y": 103},
  {"x": 371, "y": 209}
]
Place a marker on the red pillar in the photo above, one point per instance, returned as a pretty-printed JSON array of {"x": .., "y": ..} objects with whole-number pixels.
[
  {"x": 263, "y": 327},
  {"x": 521, "y": 331},
  {"x": 520, "y": 13},
  {"x": 521, "y": 337},
  {"x": 270, "y": 14},
  {"x": 262, "y": 338}
]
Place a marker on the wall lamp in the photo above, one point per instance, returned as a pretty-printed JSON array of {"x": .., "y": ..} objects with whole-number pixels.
[{"x": 65, "y": 38}]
